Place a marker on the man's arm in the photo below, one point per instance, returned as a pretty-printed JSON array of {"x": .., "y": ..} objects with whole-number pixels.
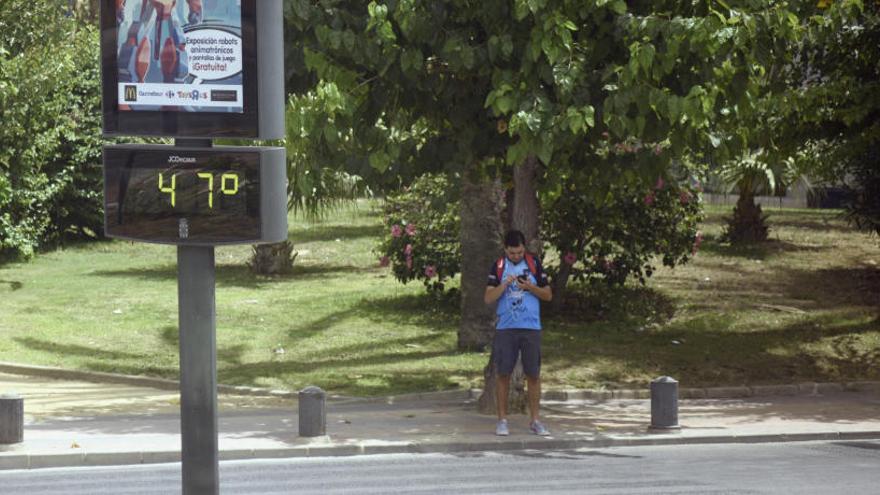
[
  {"x": 544, "y": 293},
  {"x": 494, "y": 292}
]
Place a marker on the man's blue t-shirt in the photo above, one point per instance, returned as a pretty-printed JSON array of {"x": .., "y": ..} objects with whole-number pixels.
[{"x": 518, "y": 308}]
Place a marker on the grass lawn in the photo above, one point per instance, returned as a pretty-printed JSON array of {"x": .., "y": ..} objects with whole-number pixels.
[{"x": 803, "y": 306}]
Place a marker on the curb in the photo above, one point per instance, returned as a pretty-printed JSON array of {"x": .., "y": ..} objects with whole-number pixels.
[
  {"x": 83, "y": 459},
  {"x": 564, "y": 395}
]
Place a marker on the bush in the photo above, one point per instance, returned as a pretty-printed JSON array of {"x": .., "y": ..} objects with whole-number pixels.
[
  {"x": 620, "y": 237},
  {"x": 421, "y": 233},
  {"x": 50, "y": 141}
]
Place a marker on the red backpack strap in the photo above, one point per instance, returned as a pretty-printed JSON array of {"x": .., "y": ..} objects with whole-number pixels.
[
  {"x": 499, "y": 268},
  {"x": 533, "y": 267}
]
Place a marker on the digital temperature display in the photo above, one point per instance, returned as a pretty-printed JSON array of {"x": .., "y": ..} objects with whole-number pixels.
[{"x": 188, "y": 195}]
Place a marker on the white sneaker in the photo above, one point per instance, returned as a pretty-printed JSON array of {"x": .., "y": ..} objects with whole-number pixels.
[
  {"x": 538, "y": 428},
  {"x": 501, "y": 428}
]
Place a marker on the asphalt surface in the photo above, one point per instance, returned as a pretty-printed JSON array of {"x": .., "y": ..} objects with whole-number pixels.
[{"x": 771, "y": 468}]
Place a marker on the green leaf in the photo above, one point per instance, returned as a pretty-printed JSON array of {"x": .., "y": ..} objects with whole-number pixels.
[
  {"x": 380, "y": 160},
  {"x": 504, "y": 104},
  {"x": 646, "y": 57},
  {"x": 545, "y": 153}
]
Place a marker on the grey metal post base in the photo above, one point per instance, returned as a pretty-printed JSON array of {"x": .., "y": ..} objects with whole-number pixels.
[
  {"x": 198, "y": 370},
  {"x": 11, "y": 418},
  {"x": 664, "y": 404},
  {"x": 312, "y": 412}
]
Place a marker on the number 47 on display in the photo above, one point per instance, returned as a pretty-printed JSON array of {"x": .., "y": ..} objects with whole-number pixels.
[{"x": 228, "y": 185}]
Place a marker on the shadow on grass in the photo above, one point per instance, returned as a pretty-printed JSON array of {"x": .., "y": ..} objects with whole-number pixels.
[
  {"x": 760, "y": 251},
  {"x": 14, "y": 285},
  {"x": 325, "y": 233},
  {"x": 707, "y": 351},
  {"x": 73, "y": 350},
  {"x": 832, "y": 287},
  {"x": 235, "y": 275},
  {"x": 615, "y": 304}
]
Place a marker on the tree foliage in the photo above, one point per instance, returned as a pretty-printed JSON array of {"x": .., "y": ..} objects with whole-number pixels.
[
  {"x": 50, "y": 139},
  {"x": 427, "y": 84},
  {"x": 404, "y": 87}
]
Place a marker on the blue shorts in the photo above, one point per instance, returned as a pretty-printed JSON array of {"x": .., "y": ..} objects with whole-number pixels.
[{"x": 510, "y": 343}]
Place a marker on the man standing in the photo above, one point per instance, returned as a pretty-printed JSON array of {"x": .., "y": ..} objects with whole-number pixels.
[{"x": 517, "y": 282}]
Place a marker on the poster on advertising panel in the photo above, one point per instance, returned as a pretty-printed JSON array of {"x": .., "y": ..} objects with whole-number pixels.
[{"x": 179, "y": 55}]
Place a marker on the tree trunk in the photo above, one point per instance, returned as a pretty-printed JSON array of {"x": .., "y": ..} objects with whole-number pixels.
[
  {"x": 525, "y": 211},
  {"x": 522, "y": 212},
  {"x": 517, "y": 402},
  {"x": 748, "y": 223},
  {"x": 480, "y": 245},
  {"x": 272, "y": 259},
  {"x": 559, "y": 284}
]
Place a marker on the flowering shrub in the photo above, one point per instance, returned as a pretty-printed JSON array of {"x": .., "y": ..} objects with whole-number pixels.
[
  {"x": 623, "y": 236},
  {"x": 421, "y": 233}
]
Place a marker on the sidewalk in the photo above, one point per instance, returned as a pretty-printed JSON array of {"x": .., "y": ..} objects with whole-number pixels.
[{"x": 75, "y": 423}]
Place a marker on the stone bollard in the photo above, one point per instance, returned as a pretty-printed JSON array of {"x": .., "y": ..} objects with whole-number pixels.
[
  {"x": 11, "y": 418},
  {"x": 664, "y": 404},
  {"x": 312, "y": 413}
]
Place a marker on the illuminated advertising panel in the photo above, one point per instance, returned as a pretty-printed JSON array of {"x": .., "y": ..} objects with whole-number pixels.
[
  {"x": 192, "y": 68},
  {"x": 179, "y": 55}
]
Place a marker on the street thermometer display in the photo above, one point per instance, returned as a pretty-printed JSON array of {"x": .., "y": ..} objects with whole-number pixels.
[{"x": 199, "y": 196}]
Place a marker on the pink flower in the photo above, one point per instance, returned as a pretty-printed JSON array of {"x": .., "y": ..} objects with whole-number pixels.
[
  {"x": 430, "y": 271},
  {"x": 649, "y": 199},
  {"x": 395, "y": 231},
  {"x": 410, "y": 229},
  {"x": 660, "y": 183},
  {"x": 698, "y": 239},
  {"x": 658, "y": 150},
  {"x": 570, "y": 258},
  {"x": 407, "y": 251},
  {"x": 384, "y": 261},
  {"x": 605, "y": 135},
  {"x": 409, "y": 262},
  {"x": 684, "y": 197}
]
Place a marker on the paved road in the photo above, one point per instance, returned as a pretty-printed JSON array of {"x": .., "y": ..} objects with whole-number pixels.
[{"x": 849, "y": 467}]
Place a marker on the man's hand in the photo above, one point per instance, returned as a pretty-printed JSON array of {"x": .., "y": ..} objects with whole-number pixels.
[{"x": 542, "y": 293}]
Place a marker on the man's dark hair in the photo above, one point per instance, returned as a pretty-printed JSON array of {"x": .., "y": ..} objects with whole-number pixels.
[{"x": 514, "y": 238}]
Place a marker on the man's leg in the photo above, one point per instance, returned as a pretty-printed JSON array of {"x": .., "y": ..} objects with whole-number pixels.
[
  {"x": 534, "y": 393},
  {"x": 531, "y": 356},
  {"x": 502, "y": 392}
]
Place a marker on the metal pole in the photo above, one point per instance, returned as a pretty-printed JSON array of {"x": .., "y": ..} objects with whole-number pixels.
[
  {"x": 198, "y": 370},
  {"x": 198, "y": 363}
]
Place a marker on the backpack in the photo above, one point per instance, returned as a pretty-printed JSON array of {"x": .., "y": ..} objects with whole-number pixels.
[{"x": 530, "y": 260}]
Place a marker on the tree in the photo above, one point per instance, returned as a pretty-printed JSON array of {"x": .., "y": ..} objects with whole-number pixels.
[
  {"x": 50, "y": 141},
  {"x": 478, "y": 87},
  {"x": 821, "y": 114}
]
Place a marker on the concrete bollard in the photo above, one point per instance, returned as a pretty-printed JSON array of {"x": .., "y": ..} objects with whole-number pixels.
[
  {"x": 664, "y": 404},
  {"x": 312, "y": 413},
  {"x": 11, "y": 418}
]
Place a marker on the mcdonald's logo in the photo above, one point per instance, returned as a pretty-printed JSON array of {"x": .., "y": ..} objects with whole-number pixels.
[{"x": 131, "y": 93}]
